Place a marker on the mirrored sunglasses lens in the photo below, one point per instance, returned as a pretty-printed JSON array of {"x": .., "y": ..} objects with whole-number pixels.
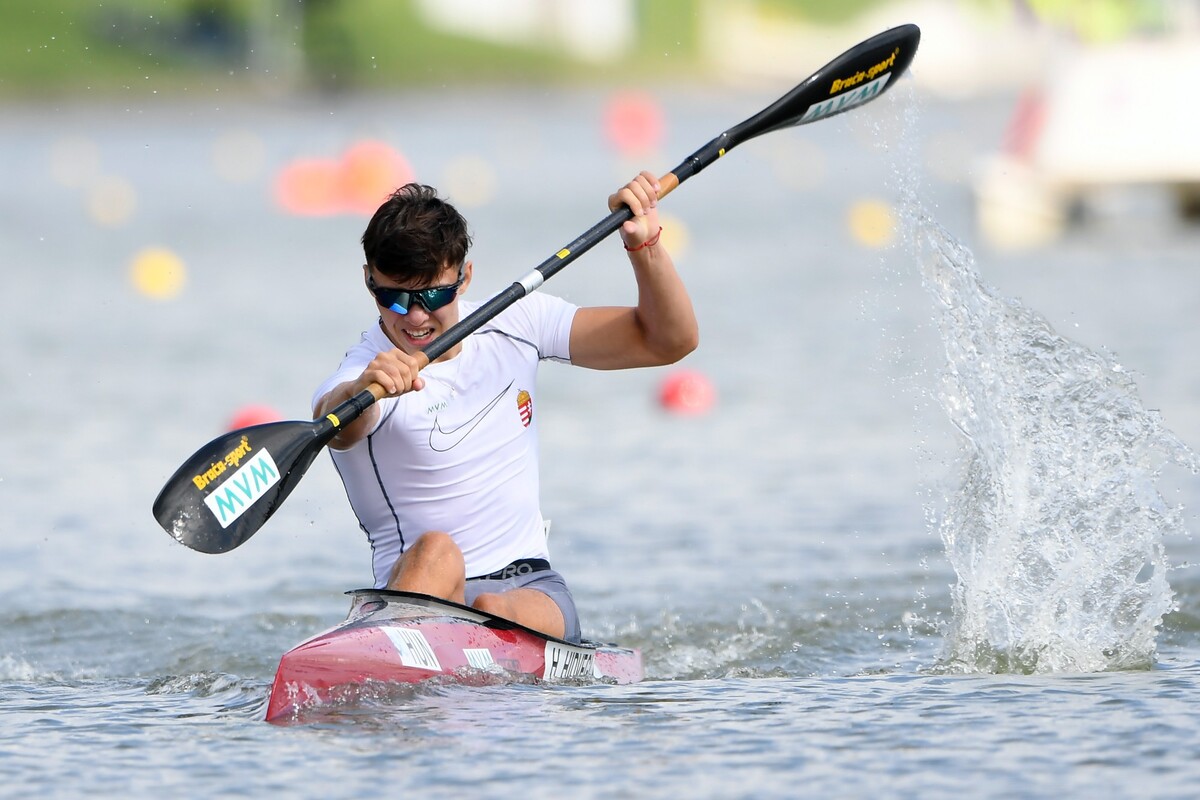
[
  {"x": 396, "y": 300},
  {"x": 433, "y": 299}
]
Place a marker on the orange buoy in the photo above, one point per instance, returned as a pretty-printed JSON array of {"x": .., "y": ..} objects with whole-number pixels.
[
  {"x": 368, "y": 173},
  {"x": 309, "y": 187}
]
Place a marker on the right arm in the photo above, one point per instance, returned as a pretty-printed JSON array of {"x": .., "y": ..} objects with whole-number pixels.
[{"x": 394, "y": 370}]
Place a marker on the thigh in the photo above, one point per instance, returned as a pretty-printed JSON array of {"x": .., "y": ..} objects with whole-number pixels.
[
  {"x": 548, "y": 583},
  {"x": 529, "y": 607}
]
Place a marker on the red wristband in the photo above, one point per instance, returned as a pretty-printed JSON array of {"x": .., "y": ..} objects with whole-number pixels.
[{"x": 653, "y": 240}]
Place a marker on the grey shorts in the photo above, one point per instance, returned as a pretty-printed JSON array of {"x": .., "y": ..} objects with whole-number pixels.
[{"x": 546, "y": 581}]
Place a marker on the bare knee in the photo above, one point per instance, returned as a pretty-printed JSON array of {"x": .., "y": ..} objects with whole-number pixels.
[
  {"x": 436, "y": 547},
  {"x": 433, "y": 565}
]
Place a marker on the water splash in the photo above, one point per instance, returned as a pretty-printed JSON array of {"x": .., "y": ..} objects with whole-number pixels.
[{"x": 1056, "y": 533}]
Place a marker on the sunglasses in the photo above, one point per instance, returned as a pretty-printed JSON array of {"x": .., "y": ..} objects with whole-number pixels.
[{"x": 401, "y": 300}]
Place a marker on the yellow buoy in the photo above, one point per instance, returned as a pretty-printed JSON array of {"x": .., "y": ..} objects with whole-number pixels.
[
  {"x": 158, "y": 273},
  {"x": 675, "y": 235},
  {"x": 872, "y": 223}
]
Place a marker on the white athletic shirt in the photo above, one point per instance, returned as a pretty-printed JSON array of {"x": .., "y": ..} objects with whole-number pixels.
[{"x": 460, "y": 455}]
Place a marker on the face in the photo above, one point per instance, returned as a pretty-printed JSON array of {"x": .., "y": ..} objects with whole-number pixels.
[{"x": 415, "y": 329}]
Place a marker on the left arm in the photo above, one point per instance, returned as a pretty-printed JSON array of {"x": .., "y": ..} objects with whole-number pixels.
[{"x": 661, "y": 328}]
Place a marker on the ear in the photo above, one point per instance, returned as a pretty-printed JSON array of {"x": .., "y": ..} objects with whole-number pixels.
[
  {"x": 367, "y": 277},
  {"x": 468, "y": 271}
]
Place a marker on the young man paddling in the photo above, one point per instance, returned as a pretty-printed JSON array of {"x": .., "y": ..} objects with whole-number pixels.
[{"x": 443, "y": 472}]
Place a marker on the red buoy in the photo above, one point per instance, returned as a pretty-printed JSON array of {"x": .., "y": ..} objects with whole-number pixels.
[
  {"x": 687, "y": 392},
  {"x": 252, "y": 414}
]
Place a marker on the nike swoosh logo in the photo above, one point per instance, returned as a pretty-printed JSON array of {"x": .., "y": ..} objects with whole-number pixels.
[{"x": 442, "y": 440}]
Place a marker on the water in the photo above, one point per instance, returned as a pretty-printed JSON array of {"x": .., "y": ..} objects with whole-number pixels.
[
  {"x": 1058, "y": 532},
  {"x": 839, "y": 589}
]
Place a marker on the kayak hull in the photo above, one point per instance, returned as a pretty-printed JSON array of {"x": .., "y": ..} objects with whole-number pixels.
[{"x": 402, "y": 637}]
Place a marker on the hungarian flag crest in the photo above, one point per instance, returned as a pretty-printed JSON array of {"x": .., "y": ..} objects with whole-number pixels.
[{"x": 525, "y": 407}]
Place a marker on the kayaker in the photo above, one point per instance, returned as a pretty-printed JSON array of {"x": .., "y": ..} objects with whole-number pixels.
[{"x": 443, "y": 472}]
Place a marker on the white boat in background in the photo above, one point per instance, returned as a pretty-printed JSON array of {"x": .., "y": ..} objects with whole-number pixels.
[{"x": 1118, "y": 116}]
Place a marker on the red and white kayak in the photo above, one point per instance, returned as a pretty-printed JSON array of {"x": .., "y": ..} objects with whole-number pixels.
[{"x": 401, "y": 637}]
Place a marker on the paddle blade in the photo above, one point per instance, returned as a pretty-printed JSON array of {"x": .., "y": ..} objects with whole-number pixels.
[
  {"x": 857, "y": 76},
  {"x": 224, "y": 493}
]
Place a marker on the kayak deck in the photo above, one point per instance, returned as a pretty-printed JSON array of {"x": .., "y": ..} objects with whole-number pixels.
[{"x": 402, "y": 637}]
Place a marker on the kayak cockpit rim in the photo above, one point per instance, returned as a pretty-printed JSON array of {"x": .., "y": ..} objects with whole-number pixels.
[{"x": 360, "y": 607}]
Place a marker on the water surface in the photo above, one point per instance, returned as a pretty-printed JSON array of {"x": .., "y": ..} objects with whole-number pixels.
[{"x": 792, "y": 563}]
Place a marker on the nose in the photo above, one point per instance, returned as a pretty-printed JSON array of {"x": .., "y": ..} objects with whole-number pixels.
[{"x": 416, "y": 314}]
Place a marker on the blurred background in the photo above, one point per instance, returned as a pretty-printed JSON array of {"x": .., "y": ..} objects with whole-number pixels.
[{"x": 1086, "y": 118}]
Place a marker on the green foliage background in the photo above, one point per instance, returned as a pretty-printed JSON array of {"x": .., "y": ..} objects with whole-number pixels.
[
  {"x": 61, "y": 47},
  {"x": 52, "y": 48}
]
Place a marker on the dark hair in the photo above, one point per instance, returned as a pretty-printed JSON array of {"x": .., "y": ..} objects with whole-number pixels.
[{"x": 415, "y": 235}]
